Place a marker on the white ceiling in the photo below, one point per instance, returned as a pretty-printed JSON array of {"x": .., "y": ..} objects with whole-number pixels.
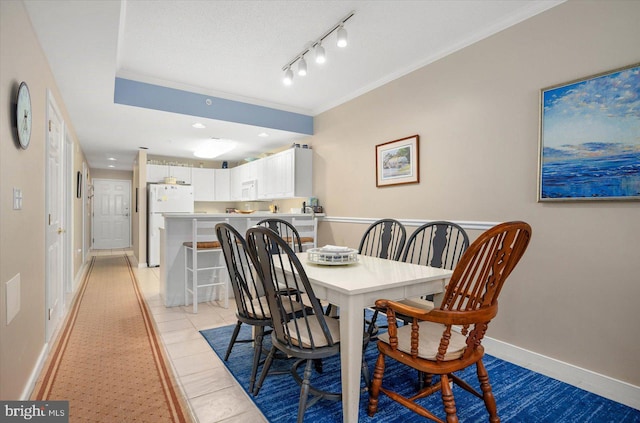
[{"x": 236, "y": 50}]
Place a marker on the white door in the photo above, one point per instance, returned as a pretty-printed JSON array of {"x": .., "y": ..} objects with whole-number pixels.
[
  {"x": 54, "y": 218},
  {"x": 111, "y": 214}
]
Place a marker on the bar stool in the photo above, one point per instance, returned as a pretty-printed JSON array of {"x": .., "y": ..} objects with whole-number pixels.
[
  {"x": 308, "y": 229},
  {"x": 204, "y": 243}
]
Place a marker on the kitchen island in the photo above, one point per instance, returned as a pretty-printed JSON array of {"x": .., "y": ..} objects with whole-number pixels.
[{"x": 178, "y": 229}]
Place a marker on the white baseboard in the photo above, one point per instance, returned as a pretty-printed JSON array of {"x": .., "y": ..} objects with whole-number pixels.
[
  {"x": 44, "y": 353},
  {"x": 599, "y": 384},
  {"x": 35, "y": 373}
]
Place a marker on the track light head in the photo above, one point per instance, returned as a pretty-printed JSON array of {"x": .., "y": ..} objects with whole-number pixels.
[
  {"x": 342, "y": 37},
  {"x": 320, "y": 56},
  {"x": 302, "y": 66},
  {"x": 288, "y": 77}
]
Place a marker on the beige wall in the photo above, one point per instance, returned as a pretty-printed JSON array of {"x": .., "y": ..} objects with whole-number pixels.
[
  {"x": 22, "y": 232},
  {"x": 574, "y": 296}
]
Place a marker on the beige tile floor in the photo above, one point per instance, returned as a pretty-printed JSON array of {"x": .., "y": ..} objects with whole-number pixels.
[{"x": 213, "y": 394}]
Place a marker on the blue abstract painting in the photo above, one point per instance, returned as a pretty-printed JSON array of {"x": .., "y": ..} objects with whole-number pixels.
[{"x": 590, "y": 138}]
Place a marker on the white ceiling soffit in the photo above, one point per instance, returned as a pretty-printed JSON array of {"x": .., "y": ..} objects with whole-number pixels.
[{"x": 235, "y": 50}]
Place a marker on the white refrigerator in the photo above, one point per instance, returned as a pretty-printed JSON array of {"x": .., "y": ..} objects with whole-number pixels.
[{"x": 164, "y": 198}]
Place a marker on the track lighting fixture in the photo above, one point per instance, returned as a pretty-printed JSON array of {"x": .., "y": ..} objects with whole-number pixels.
[
  {"x": 320, "y": 56},
  {"x": 319, "y": 52},
  {"x": 342, "y": 37},
  {"x": 288, "y": 76},
  {"x": 302, "y": 66}
]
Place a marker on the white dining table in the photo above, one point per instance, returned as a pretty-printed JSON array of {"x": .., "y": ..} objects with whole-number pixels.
[{"x": 354, "y": 287}]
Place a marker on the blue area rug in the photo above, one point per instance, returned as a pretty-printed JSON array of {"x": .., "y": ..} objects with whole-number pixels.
[{"x": 522, "y": 396}]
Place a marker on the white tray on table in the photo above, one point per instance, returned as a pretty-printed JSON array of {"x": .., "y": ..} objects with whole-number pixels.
[{"x": 332, "y": 255}]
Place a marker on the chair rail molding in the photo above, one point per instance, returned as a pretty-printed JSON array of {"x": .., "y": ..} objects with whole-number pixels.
[{"x": 470, "y": 225}]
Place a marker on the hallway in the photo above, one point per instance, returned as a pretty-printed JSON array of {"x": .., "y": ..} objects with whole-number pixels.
[{"x": 213, "y": 394}]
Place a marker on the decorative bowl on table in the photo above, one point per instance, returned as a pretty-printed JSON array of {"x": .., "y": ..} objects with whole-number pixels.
[
  {"x": 244, "y": 211},
  {"x": 332, "y": 255}
]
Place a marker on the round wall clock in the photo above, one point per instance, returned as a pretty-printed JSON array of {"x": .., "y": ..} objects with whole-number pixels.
[{"x": 23, "y": 115}]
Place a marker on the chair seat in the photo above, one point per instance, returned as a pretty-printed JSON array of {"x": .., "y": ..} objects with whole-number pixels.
[
  {"x": 203, "y": 245},
  {"x": 256, "y": 311},
  {"x": 303, "y": 239},
  {"x": 316, "y": 331},
  {"x": 429, "y": 335},
  {"x": 418, "y": 303}
]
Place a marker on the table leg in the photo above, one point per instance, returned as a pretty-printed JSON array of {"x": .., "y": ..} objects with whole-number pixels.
[{"x": 351, "y": 330}]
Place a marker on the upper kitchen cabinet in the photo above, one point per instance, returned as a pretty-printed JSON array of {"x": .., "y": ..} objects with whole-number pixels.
[
  {"x": 287, "y": 174},
  {"x": 235, "y": 184},
  {"x": 203, "y": 182},
  {"x": 156, "y": 173},
  {"x": 222, "y": 185}
]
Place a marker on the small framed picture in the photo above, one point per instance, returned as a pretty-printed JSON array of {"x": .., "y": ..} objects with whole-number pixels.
[
  {"x": 397, "y": 162},
  {"x": 590, "y": 138}
]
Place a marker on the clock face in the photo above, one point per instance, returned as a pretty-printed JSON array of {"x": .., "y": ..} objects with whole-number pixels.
[{"x": 23, "y": 115}]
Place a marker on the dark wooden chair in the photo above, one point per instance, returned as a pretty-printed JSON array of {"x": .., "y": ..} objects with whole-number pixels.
[
  {"x": 251, "y": 304},
  {"x": 307, "y": 337},
  {"x": 430, "y": 344},
  {"x": 384, "y": 239},
  {"x": 286, "y": 230},
  {"x": 436, "y": 244}
]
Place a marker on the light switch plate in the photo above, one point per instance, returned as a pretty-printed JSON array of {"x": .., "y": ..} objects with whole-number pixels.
[{"x": 17, "y": 199}]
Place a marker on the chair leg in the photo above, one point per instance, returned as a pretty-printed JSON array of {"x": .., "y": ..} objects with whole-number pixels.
[
  {"x": 257, "y": 352},
  {"x": 372, "y": 325},
  {"x": 365, "y": 374},
  {"x": 236, "y": 331},
  {"x": 186, "y": 277},
  {"x": 374, "y": 392},
  {"x": 304, "y": 391},
  {"x": 487, "y": 394},
  {"x": 447, "y": 399},
  {"x": 194, "y": 291},
  {"x": 265, "y": 370}
]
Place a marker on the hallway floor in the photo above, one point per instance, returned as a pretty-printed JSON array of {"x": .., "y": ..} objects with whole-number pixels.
[{"x": 213, "y": 394}]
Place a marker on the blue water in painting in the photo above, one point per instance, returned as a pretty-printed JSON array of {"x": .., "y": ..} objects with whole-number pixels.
[{"x": 595, "y": 177}]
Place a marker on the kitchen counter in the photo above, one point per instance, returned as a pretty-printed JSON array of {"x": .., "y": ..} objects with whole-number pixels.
[
  {"x": 260, "y": 214},
  {"x": 178, "y": 229}
]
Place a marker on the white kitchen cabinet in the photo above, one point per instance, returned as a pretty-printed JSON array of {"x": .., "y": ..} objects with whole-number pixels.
[
  {"x": 288, "y": 174},
  {"x": 203, "y": 182},
  {"x": 222, "y": 184},
  {"x": 261, "y": 167},
  {"x": 235, "y": 184},
  {"x": 157, "y": 173},
  {"x": 181, "y": 173},
  {"x": 249, "y": 171}
]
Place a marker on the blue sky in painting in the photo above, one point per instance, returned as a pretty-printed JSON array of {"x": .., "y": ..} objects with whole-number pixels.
[{"x": 603, "y": 110}]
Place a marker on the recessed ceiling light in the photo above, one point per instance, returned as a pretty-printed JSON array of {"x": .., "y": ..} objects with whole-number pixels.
[
  {"x": 198, "y": 125},
  {"x": 263, "y": 134},
  {"x": 112, "y": 158},
  {"x": 111, "y": 166}
]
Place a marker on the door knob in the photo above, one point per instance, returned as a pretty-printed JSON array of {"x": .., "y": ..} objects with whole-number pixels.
[{"x": 60, "y": 230}]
